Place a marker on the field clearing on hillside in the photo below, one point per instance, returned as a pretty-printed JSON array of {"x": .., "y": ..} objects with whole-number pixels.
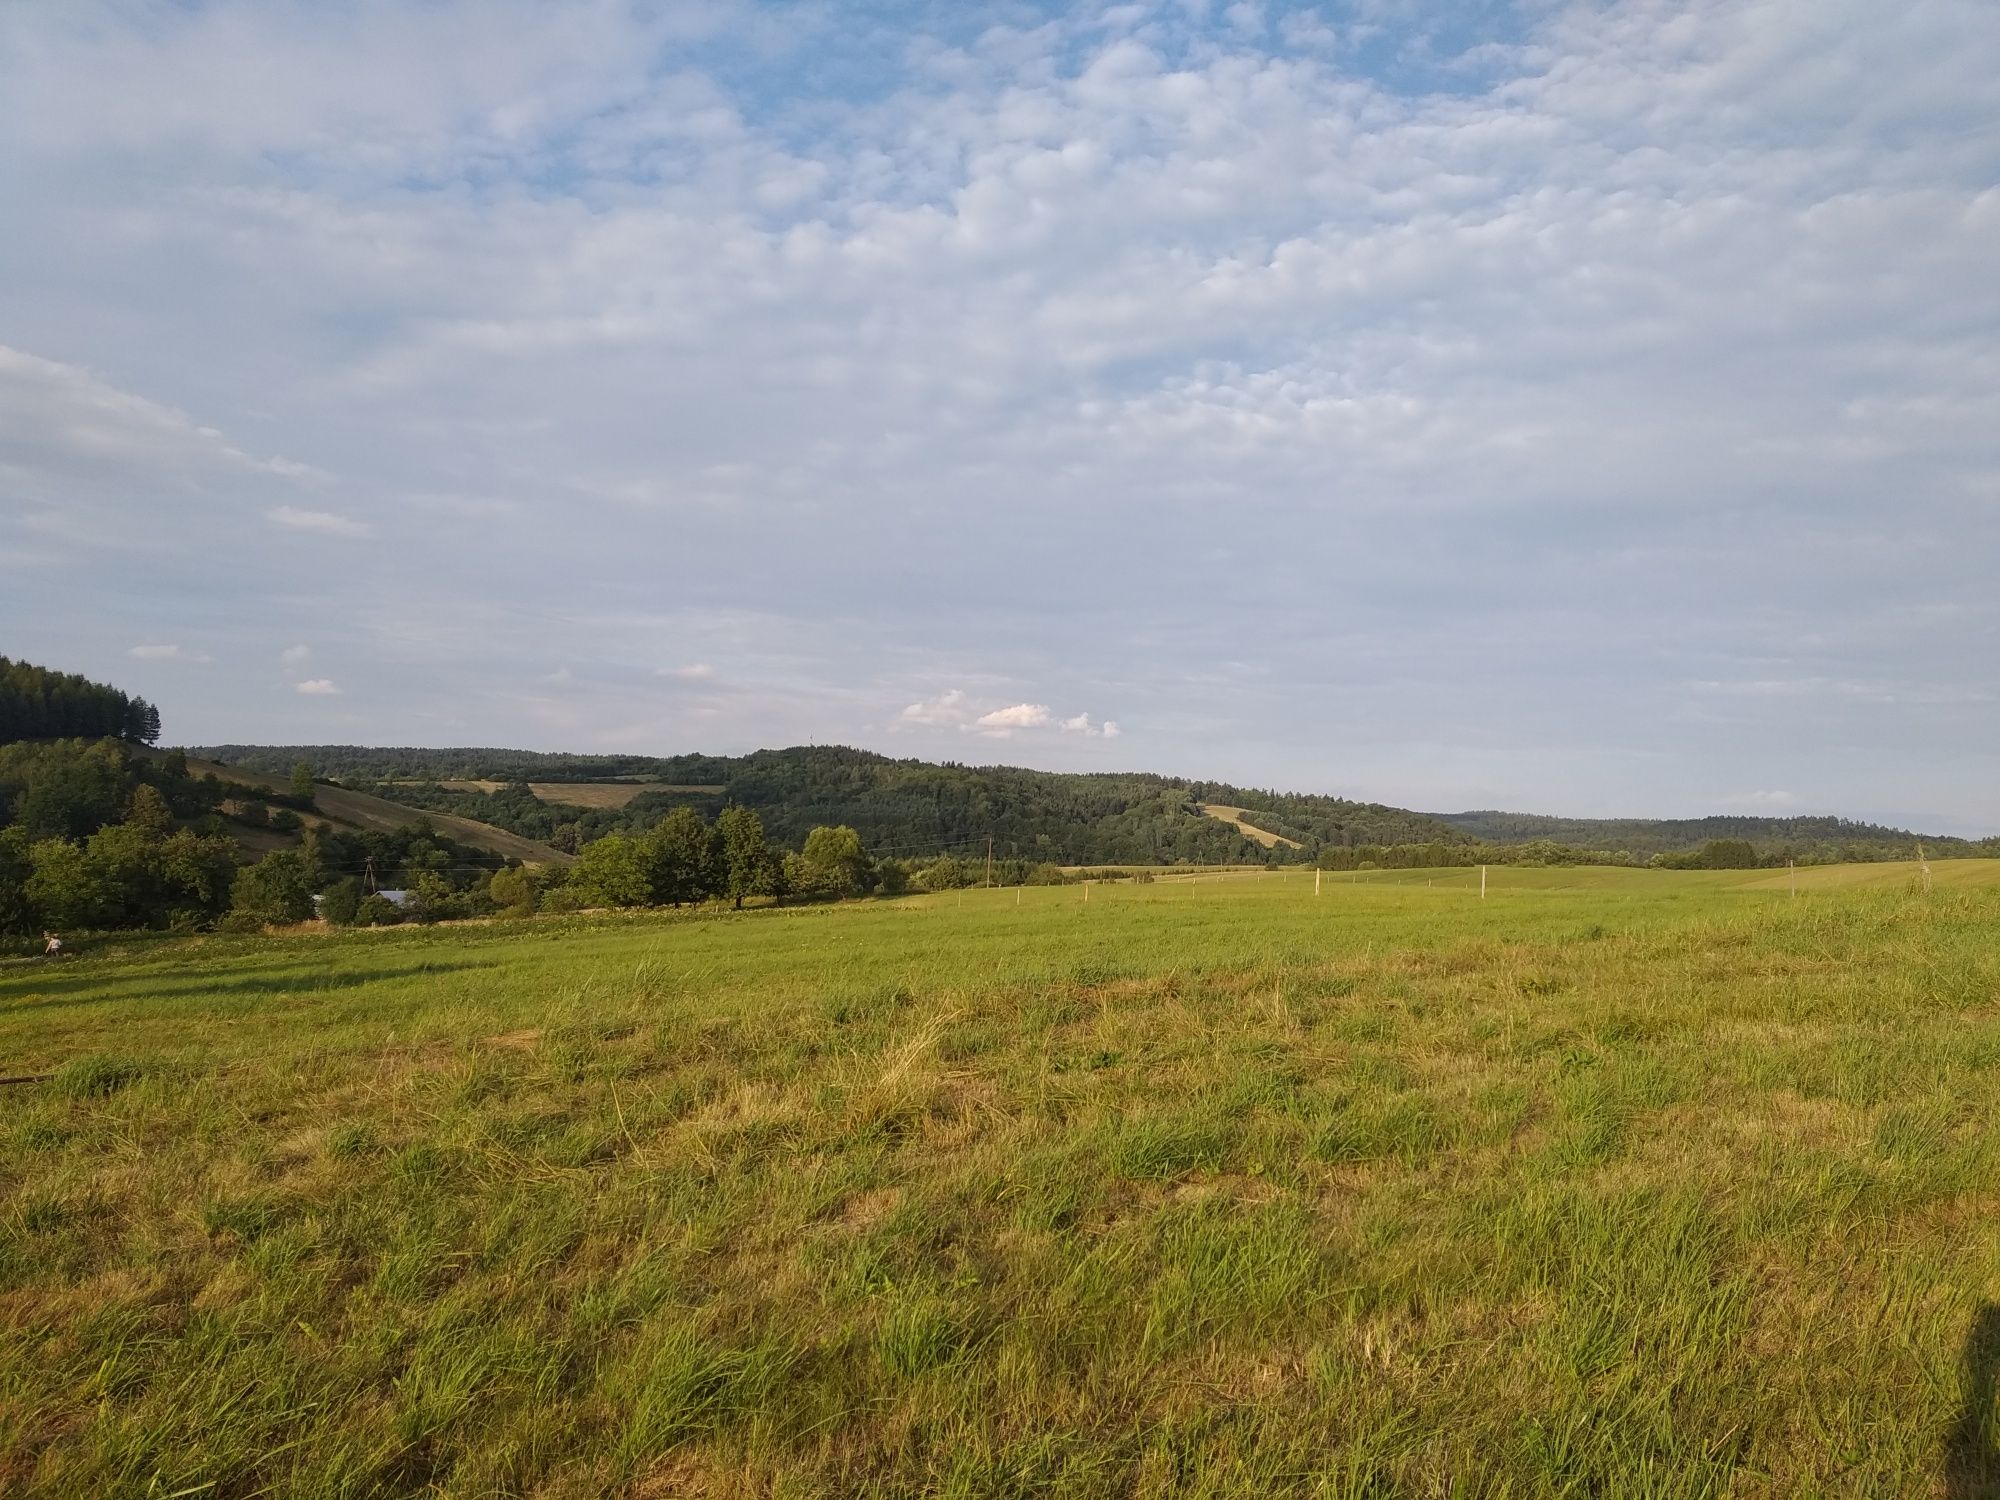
[
  {"x": 1234, "y": 816},
  {"x": 1616, "y": 1182},
  {"x": 599, "y": 794},
  {"x": 366, "y": 811}
]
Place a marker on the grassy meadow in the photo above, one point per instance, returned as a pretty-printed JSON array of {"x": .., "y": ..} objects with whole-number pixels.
[{"x": 1615, "y": 1183}]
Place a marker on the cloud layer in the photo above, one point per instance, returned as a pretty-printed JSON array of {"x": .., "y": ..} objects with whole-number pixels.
[{"x": 1555, "y": 407}]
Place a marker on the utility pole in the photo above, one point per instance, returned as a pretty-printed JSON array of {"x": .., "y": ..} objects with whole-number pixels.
[{"x": 989, "y": 861}]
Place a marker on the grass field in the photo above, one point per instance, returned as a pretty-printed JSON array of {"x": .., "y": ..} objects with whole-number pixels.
[{"x": 1615, "y": 1183}]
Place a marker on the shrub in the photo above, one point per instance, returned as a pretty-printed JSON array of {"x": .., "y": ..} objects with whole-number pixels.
[{"x": 377, "y": 911}]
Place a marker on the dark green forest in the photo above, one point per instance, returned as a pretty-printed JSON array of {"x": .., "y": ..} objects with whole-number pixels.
[
  {"x": 1812, "y": 839},
  {"x": 39, "y": 704}
]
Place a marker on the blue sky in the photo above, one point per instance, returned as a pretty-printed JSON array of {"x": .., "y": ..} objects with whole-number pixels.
[{"x": 1561, "y": 408}]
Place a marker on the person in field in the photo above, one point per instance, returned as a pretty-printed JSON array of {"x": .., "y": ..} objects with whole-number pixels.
[{"x": 55, "y": 947}]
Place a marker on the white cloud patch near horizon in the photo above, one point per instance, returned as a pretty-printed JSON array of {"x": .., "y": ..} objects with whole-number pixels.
[
  {"x": 956, "y": 710},
  {"x": 1004, "y": 721},
  {"x": 316, "y": 687}
]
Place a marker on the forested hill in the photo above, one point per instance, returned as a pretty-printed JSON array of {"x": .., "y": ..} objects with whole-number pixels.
[
  {"x": 900, "y": 807},
  {"x": 1833, "y": 838},
  {"x": 917, "y": 809}
]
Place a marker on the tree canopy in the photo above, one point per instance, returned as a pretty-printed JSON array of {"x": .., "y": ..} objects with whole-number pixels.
[{"x": 38, "y": 703}]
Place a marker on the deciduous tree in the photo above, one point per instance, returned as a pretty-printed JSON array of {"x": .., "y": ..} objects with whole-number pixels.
[{"x": 746, "y": 855}]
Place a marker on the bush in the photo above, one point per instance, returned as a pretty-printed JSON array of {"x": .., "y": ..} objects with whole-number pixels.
[
  {"x": 377, "y": 911},
  {"x": 278, "y": 888},
  {"x": 341, "y": 902},
  {"x": 512, "y": 891}
]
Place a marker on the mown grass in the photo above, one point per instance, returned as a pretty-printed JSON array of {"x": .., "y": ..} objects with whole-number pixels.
[{"x": 1616, "y": 1183}]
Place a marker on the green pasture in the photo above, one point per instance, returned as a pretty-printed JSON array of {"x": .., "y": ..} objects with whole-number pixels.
[{"x": 1615, "y": 1182}]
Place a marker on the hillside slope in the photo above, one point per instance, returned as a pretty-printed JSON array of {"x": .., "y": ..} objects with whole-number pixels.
[
  {"x": 1237, "y": 818},
  {"x": 350, "y": 808},
  {"x": 902, "y": 807}
]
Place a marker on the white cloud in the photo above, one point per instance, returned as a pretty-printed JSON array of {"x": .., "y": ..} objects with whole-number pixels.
[
  {"x": 959, "y": 711},
  {"x": 326, "y": 523},
  {"x": 951, "y": 711},
  {"x": 295, "y": 656},
  {"x": 1002, "y": 722},
  {"x": 1084, "y": 725},
  {"x": 165, "y": 653},
  {"x": 316, "y": 687},
  {"x": 60, "y": 420},
  {"x": 699, "y": 671}
]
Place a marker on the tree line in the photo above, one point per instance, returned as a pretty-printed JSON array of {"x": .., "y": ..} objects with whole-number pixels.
[
  {"x": 1801, "y": 839},
  {"x": 97, "y": 836},
  {"x": 37, "y": 703},
  {"x": 684, "y": 860},
  {"x": 1713, "y": 854}
]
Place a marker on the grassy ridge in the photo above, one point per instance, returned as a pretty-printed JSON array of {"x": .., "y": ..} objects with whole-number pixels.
[{"x": 1617, "y": 1182}]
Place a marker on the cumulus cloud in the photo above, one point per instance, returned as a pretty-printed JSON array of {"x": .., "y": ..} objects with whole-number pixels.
[
  {"x": 1082, "y": 724},
  {"x": 165, "y": 653},
  {"x": 326, "y": 523},
  {"x": 295, "y": 656},
  {"x": 957, "y": 710},
  {"x": 1004, "y": 721},
  {"x": 316, "y": 687}
]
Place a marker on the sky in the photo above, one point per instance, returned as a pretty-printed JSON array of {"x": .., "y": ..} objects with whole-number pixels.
[{"x": 1590, "y": 409}]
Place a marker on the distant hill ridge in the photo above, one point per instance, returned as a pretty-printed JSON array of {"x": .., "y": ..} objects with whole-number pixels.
[
  {"x": 1670, "y": 835},
  {"x": 917, "y": 808}
]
